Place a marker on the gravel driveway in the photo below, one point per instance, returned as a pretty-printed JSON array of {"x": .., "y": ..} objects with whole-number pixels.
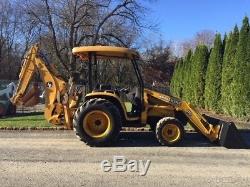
[{"x": 58, "y": 158}]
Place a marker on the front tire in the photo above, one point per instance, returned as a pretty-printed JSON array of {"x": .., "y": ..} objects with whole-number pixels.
[
  {"x": 97, "y": 122},
  {"x": 169, "y": 131}
]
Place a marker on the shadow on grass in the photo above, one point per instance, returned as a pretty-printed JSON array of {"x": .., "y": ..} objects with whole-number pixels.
[
  {"x": 21, "y": 115},
  {"x": 148, "y": 139},
  {"x": 22, "y": 120},
  {"x": 27, "y": 114}
]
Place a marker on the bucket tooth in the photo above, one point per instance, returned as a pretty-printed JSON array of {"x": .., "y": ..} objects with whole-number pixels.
[{"x": 230, "y": 137}]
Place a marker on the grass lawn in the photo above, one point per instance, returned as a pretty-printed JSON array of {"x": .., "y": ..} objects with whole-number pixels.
[{"x": 34, "y": 120}]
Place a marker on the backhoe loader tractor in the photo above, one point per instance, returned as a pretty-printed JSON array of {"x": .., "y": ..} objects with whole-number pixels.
[{"x": 115, "y": 97}]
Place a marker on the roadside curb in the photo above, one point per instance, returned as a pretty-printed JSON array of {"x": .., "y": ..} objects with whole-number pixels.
[
  {"x": 63, "y": 128},
  {"x": 126, "y": 129},
  {"x": 32, "y": 128}
]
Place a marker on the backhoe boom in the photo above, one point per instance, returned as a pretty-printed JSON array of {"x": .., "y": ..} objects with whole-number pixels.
[{"x": 55, "y": 89}]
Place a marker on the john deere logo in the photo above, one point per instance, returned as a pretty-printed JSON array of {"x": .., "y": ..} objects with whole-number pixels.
[{"x": 49, "y": 84}]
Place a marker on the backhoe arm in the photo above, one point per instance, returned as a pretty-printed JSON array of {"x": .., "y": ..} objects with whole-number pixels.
[
  {"x": 57, "y": 109},
  {"x": 25, "y": 76}
]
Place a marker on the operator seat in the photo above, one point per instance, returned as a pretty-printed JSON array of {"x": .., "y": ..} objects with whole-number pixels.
[
  {"x": 136, "y": 102},
  {"x": 103, "y": 87}
]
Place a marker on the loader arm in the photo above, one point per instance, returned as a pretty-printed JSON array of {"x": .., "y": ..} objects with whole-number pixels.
[
  {"x": 56, "y": 110},
  {"x": 214, "y": 129},
  {"x": 198, "y": 122}
]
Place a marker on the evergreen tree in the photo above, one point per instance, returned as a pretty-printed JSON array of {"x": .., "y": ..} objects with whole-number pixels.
[
  {"x": 224, "y": 42},
  {"x": 175, "y": 81},
  {"x": 180, "y": 79},
  {"x": 240, "y": 85},
  {"x": 186, "y": 76},
  {"x": 228, "y": 67},
  {"x": 247, "y": 79},
  {"x": 213, "y": 76},
  {"x": 172, "y": 82},
  {"x": 198, "y": 72}
]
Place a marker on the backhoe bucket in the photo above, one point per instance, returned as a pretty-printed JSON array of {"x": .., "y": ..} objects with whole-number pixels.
[{"x": 230, "y": 137}]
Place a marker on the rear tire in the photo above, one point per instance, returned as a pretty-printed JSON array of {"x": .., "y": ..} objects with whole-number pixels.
[
  {"x": 169, "y": 131},
  {"x": 97, "y": 122}
]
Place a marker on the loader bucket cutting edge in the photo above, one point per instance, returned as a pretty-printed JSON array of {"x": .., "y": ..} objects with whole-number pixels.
[{"x": 230, "y": 137}]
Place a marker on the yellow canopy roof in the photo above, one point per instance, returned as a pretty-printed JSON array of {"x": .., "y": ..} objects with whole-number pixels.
[{"x": 105, "y": 51}]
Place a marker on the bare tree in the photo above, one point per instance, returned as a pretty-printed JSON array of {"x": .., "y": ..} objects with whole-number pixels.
[
  {"x": 68, "y": 23},
  {"x": 9, "y": 21},
  {"x": 186, "y": 46},
  {"x": 158, "y": 64},
  {"x": 204, "y": 37}
]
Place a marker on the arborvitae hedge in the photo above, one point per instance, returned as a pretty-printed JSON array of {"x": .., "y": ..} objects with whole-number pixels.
[
  {"x": 227, "y": 76},
  {"x": 213, "y": 76},
  {"x": 186, "y": 76},
  {"x": 228, "y": 67},
  {"x": 198, "y": 72},
  {"x": 188, "y": 80},
  {"x": 241, "y": 77},
  {"x": 175, "y": 82}
]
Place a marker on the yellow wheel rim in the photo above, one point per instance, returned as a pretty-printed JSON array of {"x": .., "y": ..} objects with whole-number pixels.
[
  {"x": 97, "y": 124},
  {"x": 171, "y": 133}
]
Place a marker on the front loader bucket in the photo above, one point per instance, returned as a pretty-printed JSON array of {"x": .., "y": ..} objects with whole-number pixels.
[{"x": 230, "y": 137}]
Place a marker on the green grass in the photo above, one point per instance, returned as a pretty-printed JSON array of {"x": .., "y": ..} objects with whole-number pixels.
[{"x": 25, "y": 121}]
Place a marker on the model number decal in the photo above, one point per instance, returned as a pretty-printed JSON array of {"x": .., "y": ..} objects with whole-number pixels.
[{"x": 170, "y": 100}]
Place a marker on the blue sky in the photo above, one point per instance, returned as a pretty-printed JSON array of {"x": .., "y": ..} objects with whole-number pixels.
[{"x": 180, "y": 19}]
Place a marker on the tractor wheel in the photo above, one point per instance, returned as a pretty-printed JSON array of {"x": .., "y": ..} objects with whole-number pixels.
[
  {"x": 97, "y": 122},
  {"x": 169, "y": 131}
]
